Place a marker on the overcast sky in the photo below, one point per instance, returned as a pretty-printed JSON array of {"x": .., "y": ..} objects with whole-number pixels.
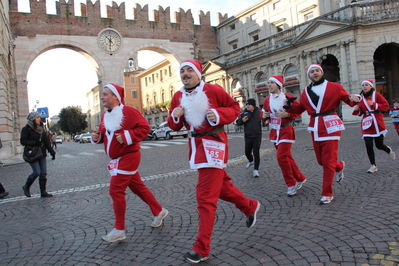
[{"x": 57, "y": 85}]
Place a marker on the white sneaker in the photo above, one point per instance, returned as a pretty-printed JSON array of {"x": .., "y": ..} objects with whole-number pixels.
[
  {"x": 326, "y": 200},
  {"x": 291, "y": 191},
  {"x": 391, "y": 153},
  {"x": 340, "y": 175},
  {"x": 298, "y": 185},
  {"x": 157, "y": 222},
  {"x": 256, "y": 173},
  {"x": 249, "y": 164},
  {"x": 115, "y": 235},
  {"x": 372, "y": 169}
]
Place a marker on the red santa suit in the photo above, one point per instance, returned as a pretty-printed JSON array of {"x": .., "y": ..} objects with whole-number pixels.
[
  {"x": 282, "y": 134},
  {"x": 132, "y": 126},
  {"x": 373, "y": 124},
  {"x": 325, "y": 126},
  {"x": 209, "y": 154}
]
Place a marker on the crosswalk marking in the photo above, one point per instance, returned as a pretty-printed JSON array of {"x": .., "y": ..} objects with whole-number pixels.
[
  {"x": 86, "y": 153},
  {"x": 156, "y": 144}
]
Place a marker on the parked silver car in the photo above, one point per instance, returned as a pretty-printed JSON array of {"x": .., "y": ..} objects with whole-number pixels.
[
  {"x": 85, "y": 138},
  {"x": 163, "y": 131}
]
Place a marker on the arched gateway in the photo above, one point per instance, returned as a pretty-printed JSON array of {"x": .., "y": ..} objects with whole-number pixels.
[{"x": 109, "y": 42}]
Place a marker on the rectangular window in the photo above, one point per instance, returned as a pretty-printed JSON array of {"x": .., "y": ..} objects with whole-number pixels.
[
  {"x": 252, "y": 17},
  {"x": 131, "y": 80},
  {"x": 277, "y": 5},
  {"x": 234, "y": 44},
  {"x": 134, "y": 94},
  {"x": 233, "y": 26},
  {"x": 255, "y": 37},
  {"x": 308, "y": 16}
]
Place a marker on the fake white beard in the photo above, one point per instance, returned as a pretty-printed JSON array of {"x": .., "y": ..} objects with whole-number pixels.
[
  {"x": 113, "y": 120},
  {"x": 195, "y": 108},
  {"x": 276, "y": 103}
]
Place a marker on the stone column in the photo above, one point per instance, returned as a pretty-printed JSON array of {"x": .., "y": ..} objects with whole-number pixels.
[
  {"x": 353, "y": 60},
  {"x": 344, "y": 64}
]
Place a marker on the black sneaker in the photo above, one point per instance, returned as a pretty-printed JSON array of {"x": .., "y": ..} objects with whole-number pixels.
[
  {"x": 4, "y": 194},
  {"x": 194, "y": 257},
  {"x": 251, "y": 220}
]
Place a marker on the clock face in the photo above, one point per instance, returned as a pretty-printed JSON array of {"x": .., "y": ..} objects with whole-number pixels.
[{"x": 109, "y": 40}]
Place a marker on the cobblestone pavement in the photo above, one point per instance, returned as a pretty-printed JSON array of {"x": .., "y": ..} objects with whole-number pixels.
[{"x": 360, "y": 227}]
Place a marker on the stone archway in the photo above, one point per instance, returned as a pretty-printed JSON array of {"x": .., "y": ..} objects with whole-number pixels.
[
  {"x": 25, "y": 60},
  {"x": 386, "y": 69}
]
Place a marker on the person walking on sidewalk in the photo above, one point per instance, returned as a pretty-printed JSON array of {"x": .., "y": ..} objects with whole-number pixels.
[
  {"x": 394, "y": 114},
  {"x": 371, "y": 106},
  {"x": 54, "y": 141},
  {"x": 282, "y": 133},
  {"x": 33, "y": 134},
  {"x": 320, "y": 99},
  {"x": 251, "y": 119},
  {"x": 204, "y": 109},
  {"x": 121, "y": 130}
]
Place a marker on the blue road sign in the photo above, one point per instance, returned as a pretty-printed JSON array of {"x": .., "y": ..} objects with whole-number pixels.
[{"x": 43, "y": 112}]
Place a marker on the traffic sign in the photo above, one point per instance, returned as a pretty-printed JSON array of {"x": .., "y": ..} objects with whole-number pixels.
[{"x": 43, "y": 112}]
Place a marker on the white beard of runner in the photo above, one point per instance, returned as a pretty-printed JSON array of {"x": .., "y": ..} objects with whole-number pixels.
[
  {"x": 195, "y": 107},
  {"x": 113, "y": 120},
  {"x": 276, "y": 103}
]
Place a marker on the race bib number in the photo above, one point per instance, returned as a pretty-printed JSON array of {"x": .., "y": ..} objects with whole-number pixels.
[
  {"x": 215, "y": 152},
  {"x": 366, "y": 122},
  {"x": 333, "y": 123},
  {"x": 275, "y": 122},
  {"x": 113, "y": 167}
]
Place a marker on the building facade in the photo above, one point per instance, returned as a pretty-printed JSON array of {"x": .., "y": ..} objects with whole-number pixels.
[
  {"x": 158, "y": 84},
  {"x": 9, "y": 122},
  {"x": 94, "y": 108},
  {"x": 354, "y": 42}
]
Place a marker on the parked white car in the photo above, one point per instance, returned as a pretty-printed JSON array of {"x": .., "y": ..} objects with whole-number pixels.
[
  {"x": 59, "y": 139},
  {"x": 163, "y": 131}
]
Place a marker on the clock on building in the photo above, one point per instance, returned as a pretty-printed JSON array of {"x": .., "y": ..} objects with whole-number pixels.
[{"x": 109, "y": 40}]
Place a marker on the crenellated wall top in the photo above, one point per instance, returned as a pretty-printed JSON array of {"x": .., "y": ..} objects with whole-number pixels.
[{"x": 90, "y": 21}]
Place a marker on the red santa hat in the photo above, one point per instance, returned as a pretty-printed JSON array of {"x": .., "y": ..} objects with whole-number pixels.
[
  {"x": 279, "y": 80},
  {"x": 313, "y": 66},
  {"x": 118, "y": 91},
  {"x": 370, "y": 82},
  {"x": 194, "y": 64}
]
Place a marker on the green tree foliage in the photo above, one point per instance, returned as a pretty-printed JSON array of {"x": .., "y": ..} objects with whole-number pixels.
[
  {"x": 55, "y": 127},
  {"x": 72, "y": 120}
]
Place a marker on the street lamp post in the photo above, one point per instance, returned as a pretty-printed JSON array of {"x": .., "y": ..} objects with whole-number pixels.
[{"x": 35, "y": 106}]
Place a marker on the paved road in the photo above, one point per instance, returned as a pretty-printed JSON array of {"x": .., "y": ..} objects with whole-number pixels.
[{"x": 360, "y": 227}]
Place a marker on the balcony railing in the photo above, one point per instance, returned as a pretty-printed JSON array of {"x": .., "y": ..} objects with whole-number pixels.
[{"x": 354, "y": 13}]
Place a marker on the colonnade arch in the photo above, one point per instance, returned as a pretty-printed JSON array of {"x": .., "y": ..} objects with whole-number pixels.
[{"x": 386, "y": 70}]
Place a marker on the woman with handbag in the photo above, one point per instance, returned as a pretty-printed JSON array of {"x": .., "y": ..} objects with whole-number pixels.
[{"x": 33, "y": 136}]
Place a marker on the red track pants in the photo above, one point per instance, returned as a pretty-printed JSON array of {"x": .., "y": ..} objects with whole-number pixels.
[
  {"x": 289, "y": 168},
  {"x": 117, "y": 191},
  {"x": 327, "y": 156},
  {"x": 214, "y": 184}
]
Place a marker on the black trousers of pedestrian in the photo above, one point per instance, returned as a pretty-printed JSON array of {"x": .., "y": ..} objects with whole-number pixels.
[
  {"x": 252, "y": 147},
  {"x": 379, "y": 144},
  {"x": 2, "y": 190}
]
